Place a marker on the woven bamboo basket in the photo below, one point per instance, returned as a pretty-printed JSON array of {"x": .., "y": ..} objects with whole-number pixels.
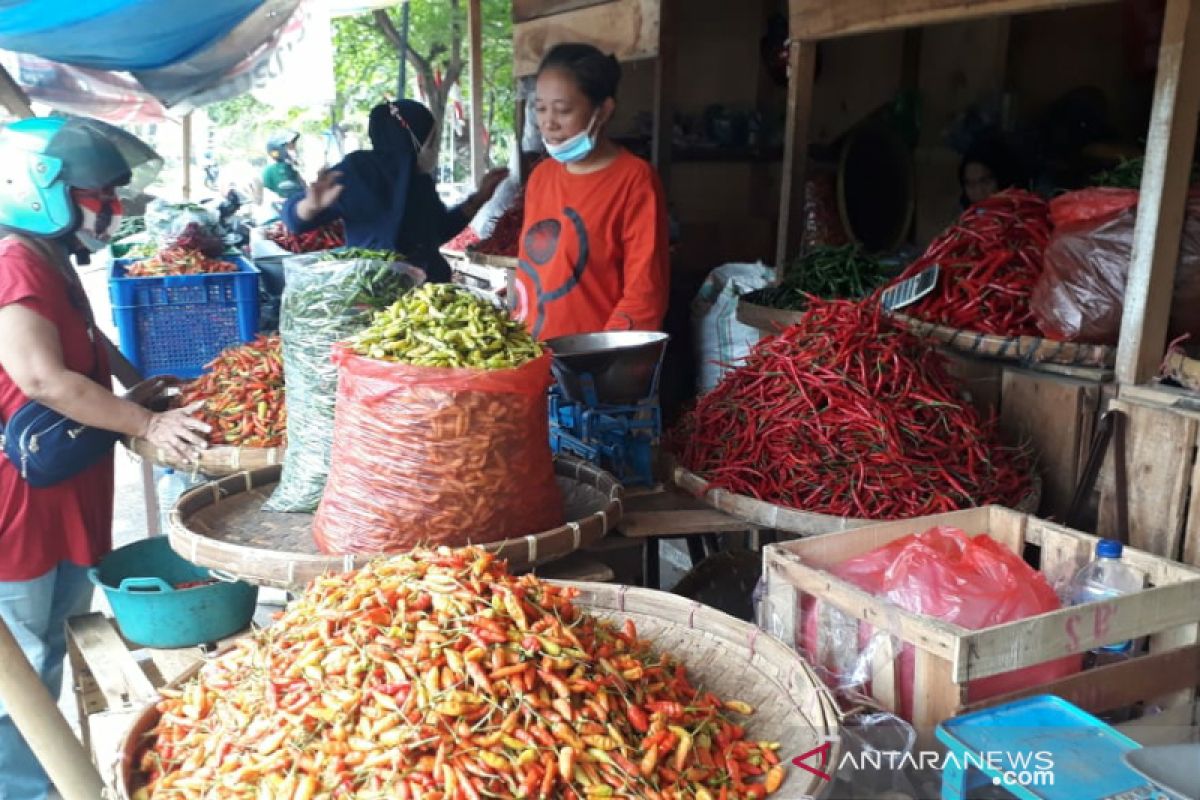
[
  {"x": 215, "y": 462},
  {"x": 792, "y": 520},
  {"x": 768, "y": 320},
  {"x": 222, "y": 525},
  {"x": 1025, "y": 350},
  {"x": 724, "y": 655}
]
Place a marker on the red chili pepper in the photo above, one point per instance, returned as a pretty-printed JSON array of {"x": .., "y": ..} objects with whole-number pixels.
[{"x": 843, "y": 414}]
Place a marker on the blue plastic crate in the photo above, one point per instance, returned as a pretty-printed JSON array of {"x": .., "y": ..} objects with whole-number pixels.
[{"x": 175, "y": 325}]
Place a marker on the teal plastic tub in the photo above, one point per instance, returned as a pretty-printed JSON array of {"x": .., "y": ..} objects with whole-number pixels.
[{"x": 139, "y": 581}]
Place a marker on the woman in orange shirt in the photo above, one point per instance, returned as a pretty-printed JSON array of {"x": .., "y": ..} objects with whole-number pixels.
[{"x": 594, "y": 249}]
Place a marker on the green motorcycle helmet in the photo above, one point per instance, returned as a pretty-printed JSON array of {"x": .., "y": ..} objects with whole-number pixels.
[{"x": 43, "y": 158}]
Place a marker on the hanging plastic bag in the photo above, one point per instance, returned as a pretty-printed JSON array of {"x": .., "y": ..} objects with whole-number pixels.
[
  {"x": 437, "y": 456},
  {"x": 971, "y": 581},
  {"x": 1081, "y": 294},
  {"x": 323, "y": 302},
  {"x": 720, "y": 339},
  {"x": 185, "y": 225}
]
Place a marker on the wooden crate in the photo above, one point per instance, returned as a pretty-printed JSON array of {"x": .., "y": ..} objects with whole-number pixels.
[
  {"x": 1162, "y": 431},
  {"x": 948, "y": 656},
  {"x": 115, "y": 680}
]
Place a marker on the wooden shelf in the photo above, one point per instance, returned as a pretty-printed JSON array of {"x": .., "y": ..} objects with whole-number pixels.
[
  {"x": 753, "y": 155},
  {"x": 821, "y": 19}
]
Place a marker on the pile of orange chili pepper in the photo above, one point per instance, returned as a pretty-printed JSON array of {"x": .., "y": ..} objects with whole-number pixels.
[
  {"x": 989, "y": 262},
  {"x": 243, "y": 395},
  {"x": 178, "y": 261},
  {"x": 436, "y": 675},
  {"x": 845, "y": 415},
  {"x": 327, "y": 237}
]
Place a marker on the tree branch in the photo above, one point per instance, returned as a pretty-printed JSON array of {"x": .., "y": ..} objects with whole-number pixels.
[{"x": 422, "y": 64}]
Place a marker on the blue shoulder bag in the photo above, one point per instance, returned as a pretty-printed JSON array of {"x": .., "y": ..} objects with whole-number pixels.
[{"x": 48, "y": 448}]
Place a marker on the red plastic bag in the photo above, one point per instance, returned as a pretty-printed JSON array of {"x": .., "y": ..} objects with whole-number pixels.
[
  {"x": 433, "y": 456},
  {"x": 971, "y": 581},
  {"x": 1081, "y": 294}
]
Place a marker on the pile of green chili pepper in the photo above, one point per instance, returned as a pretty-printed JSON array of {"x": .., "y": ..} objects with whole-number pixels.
[
  {"x": 829, "y": 272},
  {"x": 443, "y": 325},
  {"x": 843, "y": 414},
  {"x": 1128, "y": 174}
]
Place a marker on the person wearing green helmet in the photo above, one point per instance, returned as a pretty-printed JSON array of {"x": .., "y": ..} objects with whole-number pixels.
[
  {"x": 61, "y": 184},
  {"x": 281, "y": 175}
]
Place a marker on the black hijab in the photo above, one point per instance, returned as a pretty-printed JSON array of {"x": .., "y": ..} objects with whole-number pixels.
[{"x": 384, "y": 173}]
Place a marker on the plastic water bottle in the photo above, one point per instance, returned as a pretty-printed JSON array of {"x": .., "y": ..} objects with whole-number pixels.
[
  {"x": 170, "y": 486},
  {"x": 1107, "y": 576}
]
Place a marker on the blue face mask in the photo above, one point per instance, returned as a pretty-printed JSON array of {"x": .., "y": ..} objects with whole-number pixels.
[{"x": 575, "y": 149}]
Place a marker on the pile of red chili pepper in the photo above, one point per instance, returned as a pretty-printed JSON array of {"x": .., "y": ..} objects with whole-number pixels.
[
  {"x": 243, "y": 395},
  {"x": 178, "y": 261},
  {"x": 466, "y": 238},
  {"x": 989, "y": 262},
  {"x": 327, "y": 237},
  {"x": 842, "y": 414},
  {"x": 506, "y": 235},
  {"x": 437, "y": 675}
]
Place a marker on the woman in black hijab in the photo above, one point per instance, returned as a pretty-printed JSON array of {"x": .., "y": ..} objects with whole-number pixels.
[{"x": 386, "y": 196}]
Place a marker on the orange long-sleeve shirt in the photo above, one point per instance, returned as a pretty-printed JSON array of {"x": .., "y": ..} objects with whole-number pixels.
[{"x": 594, "y": 250}]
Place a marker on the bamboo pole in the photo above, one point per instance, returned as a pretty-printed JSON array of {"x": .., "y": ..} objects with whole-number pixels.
[
  {"x": 38, "y": 719},
  {"x": 475, "y": 30}
]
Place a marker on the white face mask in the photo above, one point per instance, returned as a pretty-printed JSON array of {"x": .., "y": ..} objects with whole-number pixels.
[{"x": 577, "y": 148}]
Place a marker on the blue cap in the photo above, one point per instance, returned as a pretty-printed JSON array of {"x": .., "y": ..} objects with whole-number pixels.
[{"x": 1109, "y": 548}]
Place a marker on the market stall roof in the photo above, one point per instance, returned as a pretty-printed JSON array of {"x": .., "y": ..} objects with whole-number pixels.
[{"x": 119, "y": 34}]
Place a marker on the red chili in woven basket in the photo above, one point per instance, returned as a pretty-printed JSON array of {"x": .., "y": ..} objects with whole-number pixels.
[
  {"x": 843, "y": 414},
  {"x": 989, "y": 260}
]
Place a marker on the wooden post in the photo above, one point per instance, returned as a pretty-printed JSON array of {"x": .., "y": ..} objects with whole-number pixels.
[
  {"x": 13, "y": 96},
  {"x": 38, "y": 719},
  {"x": 187, "y": 156},
  {"x": 1160, "y": 213},
  {"x": 664, "y": 93},
  {"x": 475, "y": 31},
  {"x": 802, "y": 62}
]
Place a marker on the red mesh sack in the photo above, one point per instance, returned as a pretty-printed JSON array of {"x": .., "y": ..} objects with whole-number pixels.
[
  {"x": 1081, "y": 293},
  {"x": 435, "y": 456},
  {"x": 971, "y": 581}
]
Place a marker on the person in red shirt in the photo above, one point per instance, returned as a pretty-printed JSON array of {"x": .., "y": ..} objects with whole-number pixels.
[
  {"x": 58, "y": 197},
  {"x": 594, "y": 251}
]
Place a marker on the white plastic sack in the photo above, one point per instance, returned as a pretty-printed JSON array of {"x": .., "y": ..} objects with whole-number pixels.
[{"x": 720, "y": 339}]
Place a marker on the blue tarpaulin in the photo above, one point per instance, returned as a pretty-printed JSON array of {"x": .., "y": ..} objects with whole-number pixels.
[{"x": 123, "y": 35}]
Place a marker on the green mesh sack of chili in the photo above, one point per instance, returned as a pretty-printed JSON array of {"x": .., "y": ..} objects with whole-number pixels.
[
  {"x": 842, "y": 414},
  {"x": 326, "y": 298}
]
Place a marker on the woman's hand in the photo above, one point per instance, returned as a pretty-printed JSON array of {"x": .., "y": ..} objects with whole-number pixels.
[
  {"x": 151, "y": 389},
  {"x": 178, "y": 432},
  {"x": 321, "y": 194},
  {"x": 487, "y": 188},
  {"x": 489, "y": 184}
]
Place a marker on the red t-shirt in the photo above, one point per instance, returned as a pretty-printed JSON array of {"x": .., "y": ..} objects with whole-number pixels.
[
  {"x": 594, "y": 252},
  {"x": 72, "y": 520}
]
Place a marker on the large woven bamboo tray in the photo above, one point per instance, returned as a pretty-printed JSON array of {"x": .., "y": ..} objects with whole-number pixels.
[
  {"x": 215, "y": 462},
  {"x": 222, "y": 525},
  {"x": 724, "y": 655},
  {"x": 792, "y": 520},
  {"x": 1027, "y": 350}
]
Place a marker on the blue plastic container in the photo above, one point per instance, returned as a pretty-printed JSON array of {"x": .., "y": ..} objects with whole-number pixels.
[
  {"x": 175, "y": 325},
  {"x": 139, "y": 579}
]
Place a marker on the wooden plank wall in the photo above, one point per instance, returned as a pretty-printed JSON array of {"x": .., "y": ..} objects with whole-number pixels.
[{"x": 628, "y": 28}]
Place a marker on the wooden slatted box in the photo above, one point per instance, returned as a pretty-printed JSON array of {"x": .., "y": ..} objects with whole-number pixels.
[{"x": 947, "y": 656}]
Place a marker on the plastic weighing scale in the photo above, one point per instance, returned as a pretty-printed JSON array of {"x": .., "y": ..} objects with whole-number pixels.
[{"x": 1042, "y": 748}]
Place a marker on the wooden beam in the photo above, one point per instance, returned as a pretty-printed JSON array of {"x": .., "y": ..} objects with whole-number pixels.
[
  {"x": 186, "y": 147},
  {"x": 822, "y": 19},
  {"x": 802, "y": 64},
  {"x": 626, "y": 28},
  {"x": 475, "y": 31},
  {"x": 664, "y": 92},
  {"x": 525, "y": 10},
  {"x": 1169, "y": 145},
  {"x": 13, "y": 97}
]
